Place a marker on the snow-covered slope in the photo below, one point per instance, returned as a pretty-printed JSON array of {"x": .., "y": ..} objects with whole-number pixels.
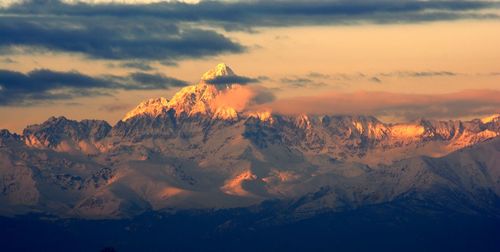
[
  {"x": 193, "y": 100},
  {"x": 151, "y": 108},
  {"x": 66, "y": 135},
  {"x": 194, "y": 152}
]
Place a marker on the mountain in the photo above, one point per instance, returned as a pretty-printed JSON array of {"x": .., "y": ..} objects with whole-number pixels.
[
  {"x": 192, "y": 100},
  {"x": 66, "y": 135},
  {"x": 203, "y": 150}
]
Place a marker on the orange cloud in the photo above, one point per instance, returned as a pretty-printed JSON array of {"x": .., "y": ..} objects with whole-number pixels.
[
  {"x": 240, "y": 97},
  {"x": 397, "y": 106},
  {"x": 236, "y": 96}
]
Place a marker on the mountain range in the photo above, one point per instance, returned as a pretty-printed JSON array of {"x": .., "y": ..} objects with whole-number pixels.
[{"x": 208, "y": 148}]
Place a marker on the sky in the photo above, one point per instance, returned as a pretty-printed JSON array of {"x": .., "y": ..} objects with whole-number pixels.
[{"x": 399, "y": 60}]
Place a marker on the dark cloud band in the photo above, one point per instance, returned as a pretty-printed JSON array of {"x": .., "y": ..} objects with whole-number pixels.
[
  {"x": 232, "y": 79},
  {"x": 17, "y": 88},
  {"x": 167, "y": 31},
  {"x": 122, "y": 39},
  {"x": 269, "y": 13}
]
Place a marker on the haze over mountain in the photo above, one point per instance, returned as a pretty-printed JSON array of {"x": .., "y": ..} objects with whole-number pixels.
[{"x": 208, "y": 148}]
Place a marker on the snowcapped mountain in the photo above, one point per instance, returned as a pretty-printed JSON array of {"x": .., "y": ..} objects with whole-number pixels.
[
  {"x": 193, "y": 100},
  {"x": 198, "y": 150}
]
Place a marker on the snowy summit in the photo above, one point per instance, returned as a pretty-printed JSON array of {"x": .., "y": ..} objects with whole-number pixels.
[{"x": 190, "y": 100}]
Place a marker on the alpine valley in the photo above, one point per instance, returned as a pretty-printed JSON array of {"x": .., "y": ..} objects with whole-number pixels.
[{"x": 206, "y": 165}]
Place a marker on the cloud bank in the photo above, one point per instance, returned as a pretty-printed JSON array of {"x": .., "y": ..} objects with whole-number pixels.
[
  {"x": 42, "y": 85},
  {"x": 124, "y": 39},
  {"x": 170, "y": 31},
  {"x": 396, "y": 106},
  {"x": 260, "y": 13}
]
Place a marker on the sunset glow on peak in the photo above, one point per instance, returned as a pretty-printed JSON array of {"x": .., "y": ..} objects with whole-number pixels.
[
  {"x": 219, "y": 71},
  {"x": 340, "y": 126}
]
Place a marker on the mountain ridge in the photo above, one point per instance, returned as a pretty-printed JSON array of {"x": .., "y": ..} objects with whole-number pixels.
[
  {"x": 185, "y": 153},
  {"x": 366, "y": 130}
]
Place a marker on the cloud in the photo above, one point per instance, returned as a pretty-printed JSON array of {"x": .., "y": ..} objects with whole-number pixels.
[
  {"x": 316, "y": 75},
  {"x": 417, "y": 74},
  {"x": 296, "y": 81},
  {"x": 232, "y": 79},
  {"x": 17, "y": 88},
  {"x": 142, "y": 80},
  {"x": 141, "y": 65},
  {"x": 315, "y": 79},
  {"x": 375, "y": 79},
  {"x": 236, "y": 97},
  {"x": 376, "y": 76},
  {"x": 263, "y": 78},
  {"x": 248, "y": 14},
  {"x": 116, "y": 107},
  {"x": 112, "y": 38},
  {"x": 242, "y": 97},
  {"x": 8, "y": 61},
  {"x": 396, "y": 106},
  {"x": 262, "y": 96},
  {"x": 301, "y": 82},
  {"x": 169, "y": 31}
]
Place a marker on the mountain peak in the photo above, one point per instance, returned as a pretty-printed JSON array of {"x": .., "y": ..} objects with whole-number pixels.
[
  {"x": 192, "y": 100},
  {"x": 220, "y": 70},
  {"x": 152, "y": 107}
]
